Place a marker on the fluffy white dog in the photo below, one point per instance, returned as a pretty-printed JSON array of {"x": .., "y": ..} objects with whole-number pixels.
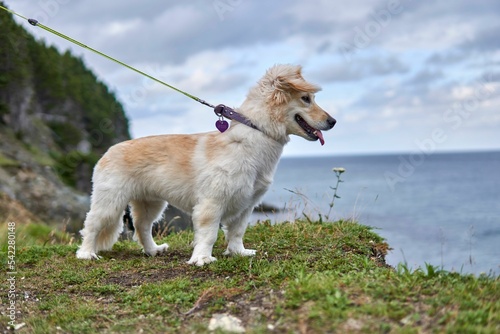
[{"x": 216, "y": 177}]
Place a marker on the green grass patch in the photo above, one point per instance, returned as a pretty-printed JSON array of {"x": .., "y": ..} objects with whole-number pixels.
[
  {"x": 307, "y": 277},
  {"x": 7, "y": 162},
  {"x": 32, "y": 235}
]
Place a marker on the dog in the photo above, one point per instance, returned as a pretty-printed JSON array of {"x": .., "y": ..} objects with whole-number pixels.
[{"x": 215, "y": 177}]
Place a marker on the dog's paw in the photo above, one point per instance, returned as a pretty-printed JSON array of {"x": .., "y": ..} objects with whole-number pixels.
[
  {"x": 201, "y": 260},
  {"x": 157, "y": 250},
  {"x": 87, "y": 255},
  {"x": 242, "y": 252}
]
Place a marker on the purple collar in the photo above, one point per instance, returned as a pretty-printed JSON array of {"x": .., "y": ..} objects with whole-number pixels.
[{"x": 224, "y": 111}]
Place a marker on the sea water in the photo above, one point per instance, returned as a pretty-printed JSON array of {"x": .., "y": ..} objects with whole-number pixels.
[{"x": 442, "y": 208}]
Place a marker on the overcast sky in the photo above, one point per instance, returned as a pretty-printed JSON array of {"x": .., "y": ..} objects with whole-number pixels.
[{"x": 399, "y": 76}]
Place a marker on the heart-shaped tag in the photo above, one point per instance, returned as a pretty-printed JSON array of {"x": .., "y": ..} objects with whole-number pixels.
[{"x": 221, "y": 125}]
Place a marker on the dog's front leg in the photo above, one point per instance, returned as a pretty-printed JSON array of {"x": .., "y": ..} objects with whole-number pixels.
[
  {"x": 206, "y": 220},
  {"x": 234, "y": 230}
]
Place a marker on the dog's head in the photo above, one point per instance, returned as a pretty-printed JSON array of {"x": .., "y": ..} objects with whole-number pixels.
[{"x": 290, "y": 103}]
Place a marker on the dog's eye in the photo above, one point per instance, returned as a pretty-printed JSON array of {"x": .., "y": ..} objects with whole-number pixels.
[{"x": 306, "y": 99}]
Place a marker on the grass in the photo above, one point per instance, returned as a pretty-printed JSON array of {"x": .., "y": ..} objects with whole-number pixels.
[
  {"x": 33, "y": 234},
  {"x": 7, "y": 162},
  {"x": 306, "y": 278}
]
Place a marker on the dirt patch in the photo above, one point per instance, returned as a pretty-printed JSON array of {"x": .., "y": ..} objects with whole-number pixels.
[
  {"x": 130, "y": 278},
  {"x": 379, "y": 252}
]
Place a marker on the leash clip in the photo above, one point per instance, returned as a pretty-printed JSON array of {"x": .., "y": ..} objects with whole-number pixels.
[
  {"x": 224, "y": 111},
  {"x": 221, "y": 124},
  {"x": 221, "y": 110}
]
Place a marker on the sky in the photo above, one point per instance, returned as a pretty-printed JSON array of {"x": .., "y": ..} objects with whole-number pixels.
[{"x": 398, "y": 75}]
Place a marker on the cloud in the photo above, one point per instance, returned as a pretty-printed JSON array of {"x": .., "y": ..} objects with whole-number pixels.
[
  {"x": 446, "y": 58},
  {"x": 484, "y": 40},
  {"x": 418, "y": 62},
  {"x": 493, "y": 76},
  {"x": 360, "y": 69},
  {"x": 425, "y": 77}
]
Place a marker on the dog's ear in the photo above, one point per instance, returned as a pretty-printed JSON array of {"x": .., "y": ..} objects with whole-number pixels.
[
  {"x": 300, "y": 85},
  {"x": 287, "y": 83},
  {"x": 280, "y": 94}
]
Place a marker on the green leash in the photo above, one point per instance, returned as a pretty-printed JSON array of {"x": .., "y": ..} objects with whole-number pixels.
[{"x": 35, "y": 23}]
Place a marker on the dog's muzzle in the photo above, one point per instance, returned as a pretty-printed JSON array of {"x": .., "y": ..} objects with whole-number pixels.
[{"x": 331, "y": 122}]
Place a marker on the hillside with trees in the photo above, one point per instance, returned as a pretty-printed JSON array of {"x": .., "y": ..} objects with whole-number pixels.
[{"x": 56, "y": 120}]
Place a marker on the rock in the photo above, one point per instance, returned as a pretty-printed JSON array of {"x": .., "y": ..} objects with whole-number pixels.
[
  {"x": 353, "y": 325},
  {"x": 172, "y": 220},
  {"x": 19, "y": 326},
  {"x": 266, "y": 207},
  {"x": 226, "y": 322}
]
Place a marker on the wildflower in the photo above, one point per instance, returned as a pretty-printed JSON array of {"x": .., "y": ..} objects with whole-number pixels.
[{"x": 339, "y": 170}]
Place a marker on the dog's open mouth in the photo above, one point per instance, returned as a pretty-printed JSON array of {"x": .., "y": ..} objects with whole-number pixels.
[{"x": 313, "y": 133}]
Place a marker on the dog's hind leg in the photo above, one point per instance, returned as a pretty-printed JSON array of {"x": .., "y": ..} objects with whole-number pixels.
[
  {"x": 234, "y": 230},
  {"x": 144, "y": 214},
  {"x": 102, "y": 226}
]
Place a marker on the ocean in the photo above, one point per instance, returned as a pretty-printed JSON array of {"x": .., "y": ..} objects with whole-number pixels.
[{"x": 441, "y": 209}]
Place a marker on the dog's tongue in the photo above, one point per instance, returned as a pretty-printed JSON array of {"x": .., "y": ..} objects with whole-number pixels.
[{"x": 320, "y": 136}]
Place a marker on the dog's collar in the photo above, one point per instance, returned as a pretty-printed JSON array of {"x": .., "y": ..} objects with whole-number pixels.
[{"x": 224, "y": 111}]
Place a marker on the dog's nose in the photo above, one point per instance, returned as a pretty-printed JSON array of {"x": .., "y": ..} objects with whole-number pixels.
[{"x": 331, "y": 122}]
